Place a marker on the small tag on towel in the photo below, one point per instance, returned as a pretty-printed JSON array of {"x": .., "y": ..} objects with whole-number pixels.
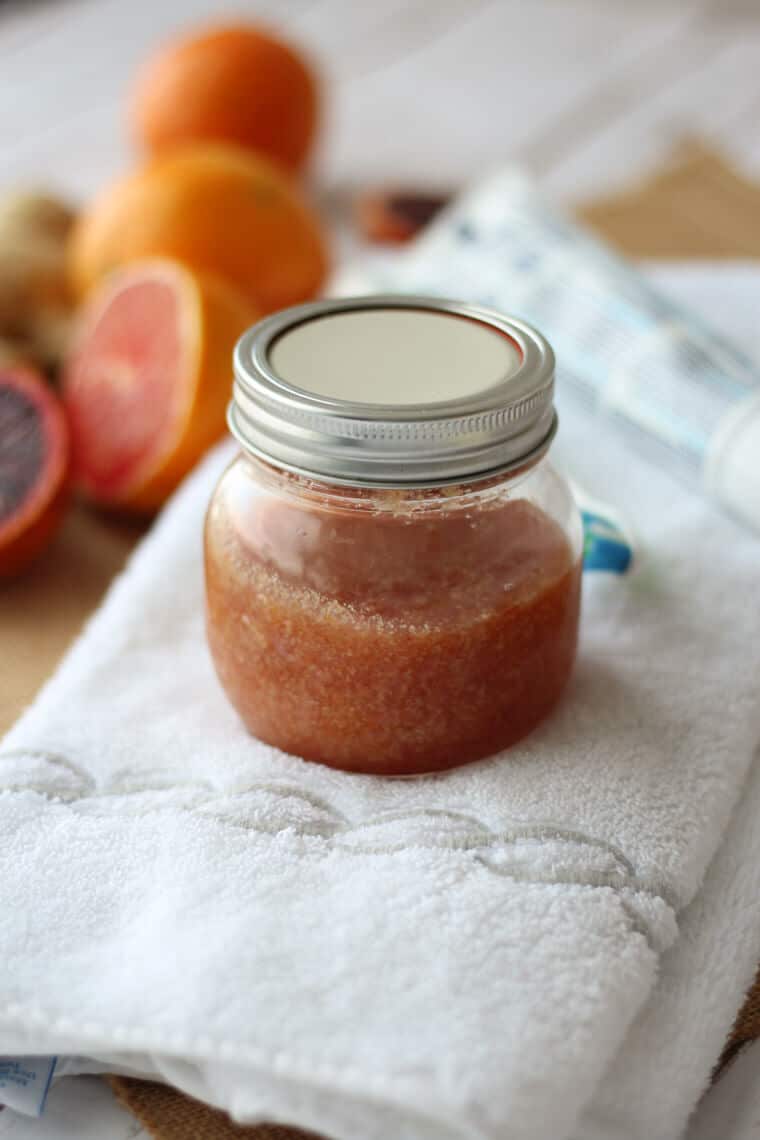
[{"x": 24, "y": 1083}]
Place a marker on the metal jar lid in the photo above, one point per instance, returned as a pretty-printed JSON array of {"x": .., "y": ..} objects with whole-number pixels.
[{"x": 506, "y": 424}]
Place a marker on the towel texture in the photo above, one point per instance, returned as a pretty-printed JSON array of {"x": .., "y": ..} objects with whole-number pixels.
[
  {"x": 671, "y": 1050},
  {"x": 435, "y": 958}
]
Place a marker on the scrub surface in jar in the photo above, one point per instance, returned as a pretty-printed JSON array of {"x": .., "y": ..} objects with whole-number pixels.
[
  {"x": 391, "y": 630},
  {"x": 389, "y": 636}
]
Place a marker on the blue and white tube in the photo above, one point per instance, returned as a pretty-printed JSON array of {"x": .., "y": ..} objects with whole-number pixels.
[{"x": 677, "y": 390}]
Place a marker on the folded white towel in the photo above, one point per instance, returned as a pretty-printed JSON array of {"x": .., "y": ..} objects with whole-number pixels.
[
  {"x": 446, "y": 957},
  {"x": 667, "y": 1059}
]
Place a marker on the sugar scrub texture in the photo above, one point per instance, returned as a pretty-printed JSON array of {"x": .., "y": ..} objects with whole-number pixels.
[{"x": 390, "y": 641}]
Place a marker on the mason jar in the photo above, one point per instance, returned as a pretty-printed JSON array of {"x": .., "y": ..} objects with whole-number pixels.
[{"x": 392, "y": 564}]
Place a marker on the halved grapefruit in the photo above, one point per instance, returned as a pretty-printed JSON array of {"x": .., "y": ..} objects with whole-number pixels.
[
  {"x": 148, "y": 379},
  {"x": 34, "y": 461}
]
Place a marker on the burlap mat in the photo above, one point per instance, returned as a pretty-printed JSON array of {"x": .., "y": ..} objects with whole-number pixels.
[
  {"x": 746, "y": 1027},
  {"x": 166, "y": 1113},
  {"x": 698, "y": 206}
]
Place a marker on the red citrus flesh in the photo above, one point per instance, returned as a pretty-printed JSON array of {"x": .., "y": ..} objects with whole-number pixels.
[
  {"x": 123, "y": 385},
  {"x": 34, "y": 461}
]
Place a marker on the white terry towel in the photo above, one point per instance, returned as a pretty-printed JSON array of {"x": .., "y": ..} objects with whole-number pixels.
[
  {"x": 455, "y": 956},
  {"x": 672, "y": 1048}
]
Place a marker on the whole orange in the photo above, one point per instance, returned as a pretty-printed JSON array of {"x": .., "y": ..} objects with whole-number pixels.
[
  {"x": 218, "y": 209},
  {"x": 235, "y": 84}
]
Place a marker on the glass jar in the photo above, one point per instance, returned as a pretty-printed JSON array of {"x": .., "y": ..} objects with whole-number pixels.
[{"x": 393, "y": 580}]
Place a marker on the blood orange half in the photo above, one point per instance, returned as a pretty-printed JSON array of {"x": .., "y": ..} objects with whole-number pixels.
[
  {"x": 34, "y": 459},
  {"x": 148, "y": 380}
]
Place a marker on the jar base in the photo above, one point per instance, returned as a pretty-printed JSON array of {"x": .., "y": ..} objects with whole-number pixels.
[{"x": 402, "y": 769}]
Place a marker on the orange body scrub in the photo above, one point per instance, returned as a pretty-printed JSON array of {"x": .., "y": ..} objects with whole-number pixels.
[
  {"x": 391, "y": 630},
  {"x": 390, "y": 640}
]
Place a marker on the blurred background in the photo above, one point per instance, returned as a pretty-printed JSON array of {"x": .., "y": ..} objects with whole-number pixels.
[{"x": 588, "y": 92}]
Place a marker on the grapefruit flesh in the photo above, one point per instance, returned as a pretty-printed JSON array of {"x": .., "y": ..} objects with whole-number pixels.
[
  {"x": 148, "y": 380},
  {"x": 34, "y": 460},
  {"x": 125, "y": 386}
]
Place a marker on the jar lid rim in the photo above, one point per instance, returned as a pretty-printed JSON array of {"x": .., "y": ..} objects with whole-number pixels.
[{"x": 497, "y": 428}]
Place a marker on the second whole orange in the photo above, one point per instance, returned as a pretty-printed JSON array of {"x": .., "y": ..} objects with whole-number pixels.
[
  {"x": 217, "y": 209},
  {"x": 238, "y": 84}
]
